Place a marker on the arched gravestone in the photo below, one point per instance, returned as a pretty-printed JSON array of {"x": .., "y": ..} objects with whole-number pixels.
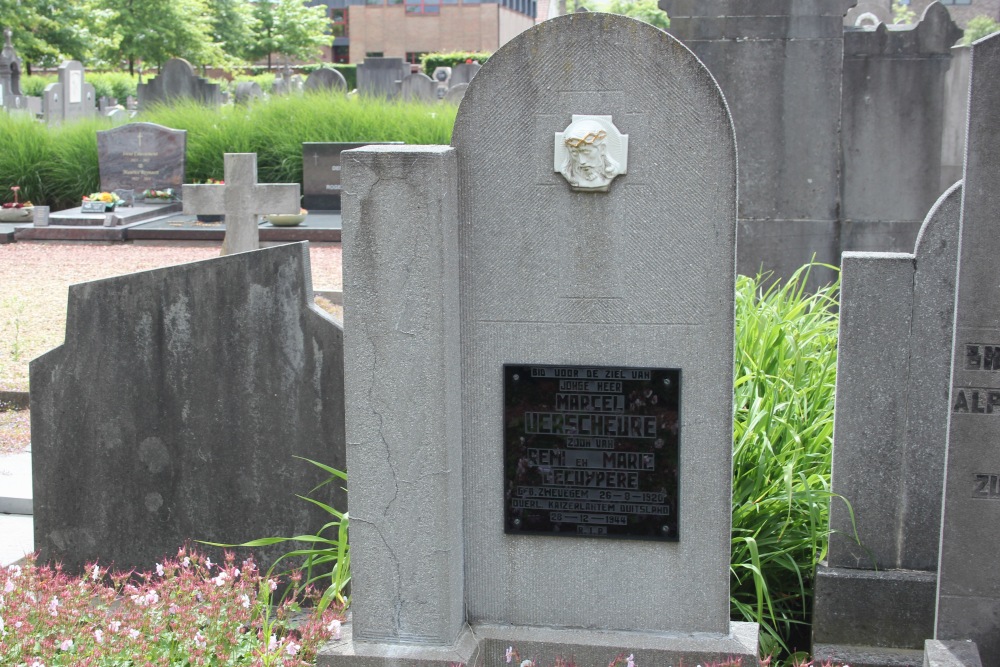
[
  {"x": 247, "y": 92},
  {"x": 418, "y": 87},
  {"x": 589, "y": 233},
  {"x": 177, "y": 80},
  {"x": 326, "y": 79}
]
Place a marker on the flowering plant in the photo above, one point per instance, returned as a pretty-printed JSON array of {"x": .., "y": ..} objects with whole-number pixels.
[
  {"x": 107, "y": 197},
  {"x": 214, "y": 181},
  {"x": 188, "y": 611},
  {"x": 16, "y": 204},
  {"x": 167, "y": 193}
]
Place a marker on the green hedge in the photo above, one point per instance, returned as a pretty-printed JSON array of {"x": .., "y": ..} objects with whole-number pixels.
[
  {"x": 432, "y": 61},
  {"x": 56, "y": 166}
]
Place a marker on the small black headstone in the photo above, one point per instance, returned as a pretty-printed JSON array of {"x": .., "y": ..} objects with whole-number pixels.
[{"x": 591, "y": 451}]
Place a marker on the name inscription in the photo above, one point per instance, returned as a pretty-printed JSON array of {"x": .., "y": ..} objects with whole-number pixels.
[{"x": 591, "y": 451}]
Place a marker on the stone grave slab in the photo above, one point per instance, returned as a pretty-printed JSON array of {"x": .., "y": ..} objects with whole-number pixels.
[
  {"x": 178, "y": 80},
  {"x": 325, "y": 78},
  {"x": 418, "y": 87},
  {"x": 381, "y": 76},
  {"x": 321, "y": 170},
  {"x": 70, "y": 98},
  {"x": 968, "y": 600},
  {"x": 876, "y": 589},
  {"x": 176, "y": 406},
  {"x": 242, "y": 200},
  {"x": 614, "y": 264}
]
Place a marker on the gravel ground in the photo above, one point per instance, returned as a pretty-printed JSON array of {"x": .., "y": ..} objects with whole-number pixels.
[{"x": 36, "y": 279}]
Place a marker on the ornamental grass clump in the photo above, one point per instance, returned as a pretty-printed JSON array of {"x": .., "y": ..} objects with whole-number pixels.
[
  {"x": 188, "y": 611},
  {"x": 785, "y": 376}
]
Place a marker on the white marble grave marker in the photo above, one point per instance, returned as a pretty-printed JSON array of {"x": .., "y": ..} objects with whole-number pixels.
[{"x": 241, "y": 199}]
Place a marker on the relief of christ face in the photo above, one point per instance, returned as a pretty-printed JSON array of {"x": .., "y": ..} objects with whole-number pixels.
[{"x": 588, "y": 165}]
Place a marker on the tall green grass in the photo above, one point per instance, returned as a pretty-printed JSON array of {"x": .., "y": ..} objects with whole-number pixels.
[
  {"x": 58, "y": 165},
  {"x": 786, "y": 361}
]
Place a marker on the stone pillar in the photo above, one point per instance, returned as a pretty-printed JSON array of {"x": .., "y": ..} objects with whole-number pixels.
[{"x": 403, "y": 410}]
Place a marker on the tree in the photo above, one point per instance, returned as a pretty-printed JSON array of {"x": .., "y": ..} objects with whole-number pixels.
[
  {"x": 979, "y": 27},
  {"x": 45, "y": 34},
  {"x": 233, "y": 27},
  {"x": 644, "y": 10},
  {"x": 288, "y": 28},
  {"x": 152, "y": 31}
]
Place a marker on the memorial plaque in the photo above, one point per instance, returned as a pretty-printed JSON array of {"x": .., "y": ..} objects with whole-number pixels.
[
  {"x": 591, "y": 451},
  {"x": 141, "y": 156}
]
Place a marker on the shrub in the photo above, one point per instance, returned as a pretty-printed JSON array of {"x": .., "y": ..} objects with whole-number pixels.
[
  {"x": 432, "y": 61},
  {"x": 979, "y": 27},
  {"x": 113, "y": 84},
  {"x": 786, "y": 361}
]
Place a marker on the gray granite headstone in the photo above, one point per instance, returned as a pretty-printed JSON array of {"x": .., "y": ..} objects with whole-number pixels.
[
  {"x": 141, "y": 156},
  {"x": 247, "y": 92},
  {"x": 968, "y": 584},
  {"x": 176, "y": 406},
  {"x": 639, "y": 276},
  {"x": 321, "y": 172},
  {"x": 418, "y": 87},
  {"x": 70, "y": 98},
  {"x": 242, "y": 200},
  {"x": 381, "y": 76},
  {"x": 177, "y": 80},
  {"x": 325, "y": 78},
  {"x": 877, "y": 591},
  {"x": 456, "y": 93},
  {"x": 463, "y": 73}
]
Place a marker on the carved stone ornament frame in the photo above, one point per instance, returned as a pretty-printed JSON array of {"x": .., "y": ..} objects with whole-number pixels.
[{"x": 590, "y": 152}]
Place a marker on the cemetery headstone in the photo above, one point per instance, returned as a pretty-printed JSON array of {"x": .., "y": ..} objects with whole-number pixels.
[
  {"x": 875, "y": 594},
  {"x": 248, "y": 91},
  {"x": 325, "y": 78},
  {"x": 296, "y": 84},
  {"x": 242, "y": 200},
  {"x": 381, "y": 76},
  {"x": 463, "y": 73},
  {"x": 69, "y": 98},
  {"x": 176, "y": 405},
  {"x": 10, "y": 76},
  {"x": 177, "y": 80},
  {"x": 498, "y": 450},
  {"x": 141, "y": 156},
  {"x": 968, "y": 602},
  {"x": 456, "y": 93},
  {"x": 418, "y": 87},
  {"x": 321, "y": 174}
]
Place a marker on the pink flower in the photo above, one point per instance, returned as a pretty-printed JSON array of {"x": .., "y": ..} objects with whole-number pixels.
[
  {"x": 509, "y": 654},
  {"x": 186, "y": 562},
  {"x": 272, "y": 584},
  {"x": 96, "y": 574},
  {"x": 66, "y": 645},
  {"x": 115, "y": 625},
  {"x": 292, "y": 648},
  {"x": 272, "y": 643},
  {"x": 159, "y": 569},
  {"x": 199, "y": 640},
  {"x": 8, "y": 587},
  {"x": 245, "y": 601},
  {"x": 99, "y": 636},
  {"x": 208, "y": 563},
  {"x": 221, "y": 579},
  {"x": 334, "y": 628},
  {"x": 133, "y": 633},
  {"x": 630, "y": 660},
  {"x": 54, "y": 607},
  {"x": 236, "y": 573}
]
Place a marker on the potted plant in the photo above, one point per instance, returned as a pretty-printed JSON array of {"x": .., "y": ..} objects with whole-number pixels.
[
  {"x": 16, "y": 211},
  {"x": 109, "y": 199}
]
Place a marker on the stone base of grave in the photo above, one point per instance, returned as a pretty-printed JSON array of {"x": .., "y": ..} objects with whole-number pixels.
[
  {"x": 348, "y": 653},
  {"x": 126, "y": 215},
  {"x": 485, "y": 645},
  {"x": 951, "y": 654},
  {"x": 884, "y": 610},
  {"x": 866, "y": 656}
]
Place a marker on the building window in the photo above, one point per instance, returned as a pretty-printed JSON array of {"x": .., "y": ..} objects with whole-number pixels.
[
  {"x": 413, "y": 57},
  {"x": 375, "y": 54},
  {"x": 471, "y": 2},
  {"x": 338, "y": 22},
  {"x": 423, "y": 6}
]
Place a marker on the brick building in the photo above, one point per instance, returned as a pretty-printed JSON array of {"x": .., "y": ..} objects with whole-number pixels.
[{"x": 410, "y": 28}]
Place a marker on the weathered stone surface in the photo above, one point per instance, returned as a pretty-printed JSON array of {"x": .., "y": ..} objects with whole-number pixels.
[
  {"x": 951, "y": 654},
  {"x": 381, "y": 76},
  {"x": 177, "y": 80},
  {"x": 890, "y": 426},
  {"x": 242, "y": 200},
  {"x": 868, "y": 13},
  {"x": 893, "y": 117},
  {"x": 140, "y": 156},
  {"x": 968, "y": 585},
  {"x": 403, "y": 403},
  {"x": 70, "y": 98},
  {"x": 639, "y": 276},
  {"x": 176, "y": 405},
  {"x": 418, "y": 87},
  {"x": 325, "y": 78}
]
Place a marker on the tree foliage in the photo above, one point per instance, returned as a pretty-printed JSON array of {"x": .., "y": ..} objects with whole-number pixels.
[
  {"x": 979, "y": 27},
  {"x": 288, "y": 28}
]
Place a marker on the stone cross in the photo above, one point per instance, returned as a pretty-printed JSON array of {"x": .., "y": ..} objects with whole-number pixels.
[{"x": 241, "y": 199}]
